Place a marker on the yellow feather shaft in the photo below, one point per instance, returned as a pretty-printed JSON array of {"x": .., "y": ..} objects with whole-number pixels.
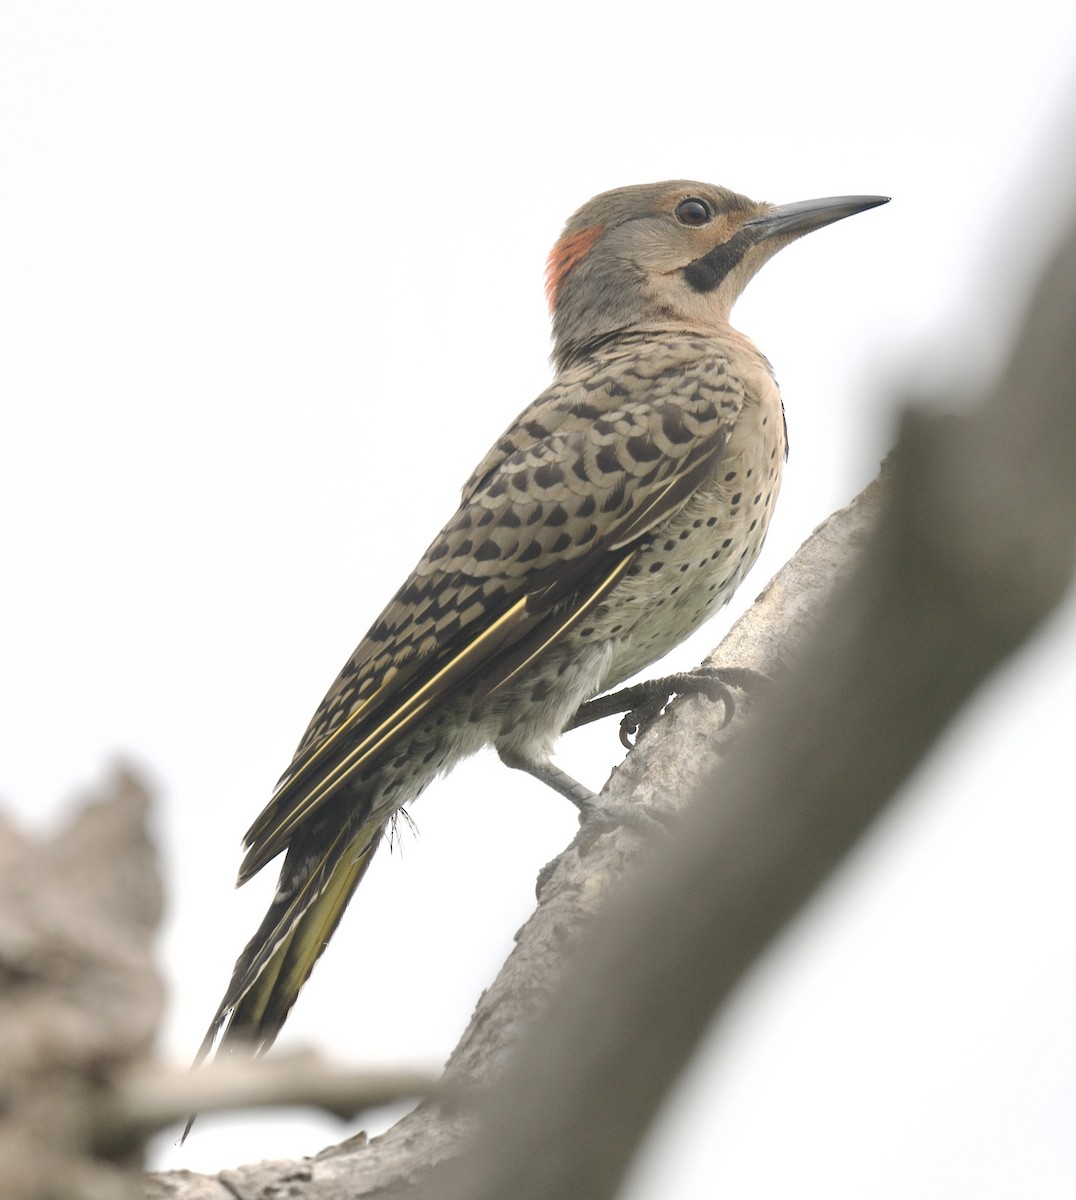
[
  {"x": 393, "y": 725},
  {"x": 576, "y": 614}
]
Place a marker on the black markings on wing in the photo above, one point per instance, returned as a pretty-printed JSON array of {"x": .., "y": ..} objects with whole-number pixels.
[{"x": 548, "y": 524}]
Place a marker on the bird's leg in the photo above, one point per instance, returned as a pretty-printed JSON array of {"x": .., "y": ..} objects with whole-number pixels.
[
  {"x": 644, "y": 702},
  {"x": 552, "y": 776},
  {"x": 592, "y": 810}
]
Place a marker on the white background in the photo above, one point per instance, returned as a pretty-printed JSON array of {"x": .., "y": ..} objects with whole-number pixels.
[{"x": 271, "y": 283}]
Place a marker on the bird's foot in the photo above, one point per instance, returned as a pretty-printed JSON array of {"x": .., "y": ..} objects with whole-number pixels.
[{"x": 644, "y": 702}]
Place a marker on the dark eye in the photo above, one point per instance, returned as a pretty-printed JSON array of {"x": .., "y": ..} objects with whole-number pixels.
[{"x": 694, "y": 211}]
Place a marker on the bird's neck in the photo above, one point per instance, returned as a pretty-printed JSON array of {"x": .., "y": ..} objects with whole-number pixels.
[{"x": 568, "y": 352}]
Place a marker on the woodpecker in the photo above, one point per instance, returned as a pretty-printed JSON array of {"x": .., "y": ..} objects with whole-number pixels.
[{"x": 612, "y": 517}]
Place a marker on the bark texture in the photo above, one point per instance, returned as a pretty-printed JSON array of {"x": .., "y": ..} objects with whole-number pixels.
[
  {"x": 883, "y": 624},
  {"x": 79, "y": 996}
]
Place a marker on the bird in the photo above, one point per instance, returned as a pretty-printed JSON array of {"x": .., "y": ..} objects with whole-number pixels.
[{"x": 613, "y": 516}]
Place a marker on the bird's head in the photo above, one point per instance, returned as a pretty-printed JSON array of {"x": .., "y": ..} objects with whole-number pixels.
[{"x": 676, "y": 253}]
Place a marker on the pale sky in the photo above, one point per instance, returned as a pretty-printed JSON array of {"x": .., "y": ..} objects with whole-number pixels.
[{"x": 271, "y": 282}]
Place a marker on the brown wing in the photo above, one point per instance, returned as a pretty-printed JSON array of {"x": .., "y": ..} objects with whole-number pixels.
[{"x": 548, "y": 524}]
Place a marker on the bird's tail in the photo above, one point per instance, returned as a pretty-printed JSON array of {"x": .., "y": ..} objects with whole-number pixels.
[{"x": 316, "y": 882}]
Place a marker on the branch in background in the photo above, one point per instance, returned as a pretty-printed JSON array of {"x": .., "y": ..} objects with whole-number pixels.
[
  {"x": 79, "y": 996},
  {"x": 148, "y": 1099}
]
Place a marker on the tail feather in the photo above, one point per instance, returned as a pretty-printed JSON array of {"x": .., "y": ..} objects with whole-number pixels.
[
  {"x": 278, "y": 960},
  {"x": 310, "y": 938}
]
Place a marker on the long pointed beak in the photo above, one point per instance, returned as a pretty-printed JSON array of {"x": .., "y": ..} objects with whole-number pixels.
[{"x": 790, "y": 220}]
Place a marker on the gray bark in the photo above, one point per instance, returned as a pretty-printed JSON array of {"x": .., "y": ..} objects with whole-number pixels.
[
  {"x": 79, "y": 996},
  {"x": 883, "y": 624}
]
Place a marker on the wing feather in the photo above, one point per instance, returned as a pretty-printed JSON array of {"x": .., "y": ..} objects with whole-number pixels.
[{"x": 549, "y": 522}]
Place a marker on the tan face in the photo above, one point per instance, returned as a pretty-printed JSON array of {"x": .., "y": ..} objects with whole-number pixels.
[
  {"x": 678, "y": 252},
  {"x": 672, "y": 251},
  {"x": 695, "y": 253},
  {"x": 686, "y": 223}
]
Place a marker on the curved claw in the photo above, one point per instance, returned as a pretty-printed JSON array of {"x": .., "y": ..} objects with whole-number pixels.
[
  {"x": 643, "y": 703},
  {"x": 650, "y": 699}
]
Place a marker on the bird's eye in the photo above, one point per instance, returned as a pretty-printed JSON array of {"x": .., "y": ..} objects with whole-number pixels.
[{"x": 694, "y": 211}]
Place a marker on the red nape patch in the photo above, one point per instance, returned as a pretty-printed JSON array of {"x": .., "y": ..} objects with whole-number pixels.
[{"x": 566, "y": 254}]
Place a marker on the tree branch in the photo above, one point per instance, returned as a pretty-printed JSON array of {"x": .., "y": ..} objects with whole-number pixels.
[
  {"x": 975, "y": 547},
  {"x": 79, "y": 995},
  {"x": 878, "y": 630}
]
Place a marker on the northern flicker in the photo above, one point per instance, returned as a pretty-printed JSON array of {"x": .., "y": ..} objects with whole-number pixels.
[{"x": 612, "y": 517}]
